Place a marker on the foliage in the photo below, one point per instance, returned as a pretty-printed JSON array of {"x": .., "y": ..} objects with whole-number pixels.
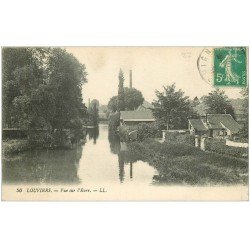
[
  {"x": 172, "y": 108},
  {"x": 113, "y": 104},
  {"x": 121, "y": 95},
  {"x": 42, "y": 88},
  {"x": 114, "y": 121},
  {"x": 180, "y": 138},
  {"x": 219, "y": 146},
  {"x": 93, "y": 112},
  {"x": 217, "y": 102},
  {"x": 133, "y": 98},
  {"x": 142, "y": 130}
]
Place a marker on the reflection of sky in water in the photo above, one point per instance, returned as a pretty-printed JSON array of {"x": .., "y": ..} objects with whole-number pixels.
[{"x": 99, "y": 164}]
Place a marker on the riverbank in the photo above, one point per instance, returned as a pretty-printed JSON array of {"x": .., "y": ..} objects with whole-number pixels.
[
  {"x": 65, "y": 139},
  {"x": 180, "y": 163},
  {"x": 15, "y": 146}
]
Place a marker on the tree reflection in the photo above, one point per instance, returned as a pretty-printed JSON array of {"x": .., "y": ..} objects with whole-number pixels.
[
  {"x": 123, "y": 155},
  {"x": 43, "y": 166},
  {"x": 93, "y": 134}
]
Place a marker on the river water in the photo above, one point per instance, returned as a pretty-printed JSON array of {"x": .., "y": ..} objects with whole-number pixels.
[{"x": 101, "y": 159}]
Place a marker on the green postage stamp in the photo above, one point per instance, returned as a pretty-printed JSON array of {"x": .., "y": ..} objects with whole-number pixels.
[{"x": 230, "y": 66}]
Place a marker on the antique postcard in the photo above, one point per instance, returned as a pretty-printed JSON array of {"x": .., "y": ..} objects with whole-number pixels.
[{"x": 125, "y": 123}]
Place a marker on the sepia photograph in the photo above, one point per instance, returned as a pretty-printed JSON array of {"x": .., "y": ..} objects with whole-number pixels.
[{"x": 125, "y": 123}]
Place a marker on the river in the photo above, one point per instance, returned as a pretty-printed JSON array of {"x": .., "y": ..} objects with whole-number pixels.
[{"x": 101, "y": 159}]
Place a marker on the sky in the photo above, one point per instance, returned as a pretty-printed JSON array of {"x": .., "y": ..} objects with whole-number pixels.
[{"x": 152, "y": 68}]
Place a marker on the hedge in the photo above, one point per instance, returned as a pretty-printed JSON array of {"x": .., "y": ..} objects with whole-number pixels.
[
  {"x": 180, "y": 138},
  {"x": 220, "y": 147},
  {"x": 140, "y": 132}
]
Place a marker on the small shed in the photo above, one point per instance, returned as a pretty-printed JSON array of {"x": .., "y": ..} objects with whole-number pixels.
[{"x": 136, "y": 116}]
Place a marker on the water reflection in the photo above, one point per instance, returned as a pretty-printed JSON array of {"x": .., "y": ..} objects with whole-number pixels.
[
  {"x": 93, "y": 134},
  {"x": 102, "y": 159},
  {"x": 42, "y": 166},
  {"x": 127, "y": 160}
]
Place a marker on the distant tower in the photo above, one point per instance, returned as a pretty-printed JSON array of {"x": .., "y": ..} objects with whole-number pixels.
[
  {"x": 89, "y": 102},
  {"x": 130, "y": 79}
]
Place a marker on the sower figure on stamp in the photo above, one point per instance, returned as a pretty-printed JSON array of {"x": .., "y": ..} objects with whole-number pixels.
[{"x": 227, "y": 64}]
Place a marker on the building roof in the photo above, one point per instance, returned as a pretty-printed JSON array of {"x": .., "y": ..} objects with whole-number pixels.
[
  {"x": 198, "y": 124},
  {"x": 216, "y": 121},
  {"x": 219, "y": 121},
  {"x": 137, "y": 115},
  {"x": 145, "y": 105}
]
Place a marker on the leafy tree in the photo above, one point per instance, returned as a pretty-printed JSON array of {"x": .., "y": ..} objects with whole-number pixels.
[
  {"x": 121, "y": 94},
  {"x": 13, "y": 59},
  {"x": 113, "y": 103},
  {"x": 172, "y": 108},
  {"x": 217, "y": 102},
  {"x": 66, "y": 77},
  {"x": 195, "y": 101},
  {"x": 42, "y": 88},
  {"x": 133, "y": 98},
  {"x": 93, "y": 112},
  {"x": 25, "y": 90}
]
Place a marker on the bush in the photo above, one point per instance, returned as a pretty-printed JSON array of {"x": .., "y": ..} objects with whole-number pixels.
[
  {"x": 147, "y": 130},
  {"x": 219, "y": 146},
  {"x": 114, "y": 121},
  {"x": 141, "y": 131},
  {"x": 124, "y": 133},
  {"x": 180, "y": 138},
  {"x": 52, "y": 139}
]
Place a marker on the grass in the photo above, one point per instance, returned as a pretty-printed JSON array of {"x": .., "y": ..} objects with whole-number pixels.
[{"x": 179, "y": 163}]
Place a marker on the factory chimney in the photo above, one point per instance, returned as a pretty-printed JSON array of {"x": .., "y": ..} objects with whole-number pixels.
[{"x": 130, "y": 79}]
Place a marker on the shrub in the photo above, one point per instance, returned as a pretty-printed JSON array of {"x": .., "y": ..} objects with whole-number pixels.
[
  {"x": 219, "y": 146},
  {"x": 142, "y": 131},
  {"x": 147, "y": 130},
  {"x": 114, "y": 121},
  {"x": 124, "y": 133},
  {"x": 52, "y": 139},
  {"x": 180, "y": 138}
]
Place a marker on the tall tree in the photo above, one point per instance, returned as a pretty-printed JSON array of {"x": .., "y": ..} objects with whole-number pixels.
[
  {"x": 25, "y": 90},
  {"x": 113, "y": 103},
  {"x": 121, "y": 94},
  {"x": 172, "y": 108},
  {"x": 217, "y": 102},
  {"x": 42, "y": 88},
  {"x": 66, "y": 77},
  {"x": 13, "y": 59},
  {"x": 133, "y": 98},
  {"x": 93, "y": 112}
]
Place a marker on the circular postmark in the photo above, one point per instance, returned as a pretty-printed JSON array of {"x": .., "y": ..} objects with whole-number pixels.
[{"x": 205, "y": 65}]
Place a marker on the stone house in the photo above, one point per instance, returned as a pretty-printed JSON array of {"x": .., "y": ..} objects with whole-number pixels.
[{"x": 214, "y": 125}]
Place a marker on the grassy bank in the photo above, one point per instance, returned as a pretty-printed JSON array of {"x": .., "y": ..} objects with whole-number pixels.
[{"x": 180, "y": 163}]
